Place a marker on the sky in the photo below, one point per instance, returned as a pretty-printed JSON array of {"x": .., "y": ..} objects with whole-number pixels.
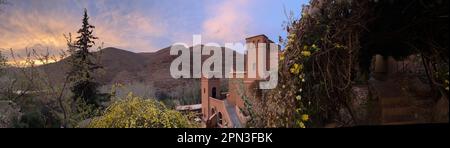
[{"x": 141, "y": 25}]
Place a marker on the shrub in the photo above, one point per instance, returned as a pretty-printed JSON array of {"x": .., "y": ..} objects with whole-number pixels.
[{"x": 136, "y": 112}]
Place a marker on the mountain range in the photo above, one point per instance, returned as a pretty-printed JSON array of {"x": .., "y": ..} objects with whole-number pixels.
[{"x": 125, "y": 67}]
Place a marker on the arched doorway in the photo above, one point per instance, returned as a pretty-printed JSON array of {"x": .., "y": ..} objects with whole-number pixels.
[
  {"x": 220, "y": 118},
  {"x": 213, "y": 111}
]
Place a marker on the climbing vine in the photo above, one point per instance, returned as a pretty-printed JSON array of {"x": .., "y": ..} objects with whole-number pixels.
[{"x": 330, "y": 47}]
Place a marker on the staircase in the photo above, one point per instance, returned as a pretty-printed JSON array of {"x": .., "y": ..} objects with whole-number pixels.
[
  {"x": 233, "y": 115},
  {"x": 398, "y": 105}
]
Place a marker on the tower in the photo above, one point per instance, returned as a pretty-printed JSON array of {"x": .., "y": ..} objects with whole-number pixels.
[
  {"x": 256, "y": 40},
  {"x": 210, "y": 89}
]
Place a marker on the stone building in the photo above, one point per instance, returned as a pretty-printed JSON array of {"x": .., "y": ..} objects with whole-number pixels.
[{"x": 226, "y": 109}]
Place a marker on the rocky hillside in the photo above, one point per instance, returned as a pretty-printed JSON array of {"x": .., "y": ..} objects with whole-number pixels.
[{"x": 121, "y": 66}]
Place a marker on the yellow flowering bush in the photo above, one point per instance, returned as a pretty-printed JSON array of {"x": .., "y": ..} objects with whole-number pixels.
[
  {"x": 305, "y": 117},
  {"x": 296, "y": 68},
  {"x": 301, "y": 124},
  {"x": 282, "y": 56},
  {"x": 326, "y": 56},
  {"x": 306, "y": 53},
  {"x": 135, "y": 112}
]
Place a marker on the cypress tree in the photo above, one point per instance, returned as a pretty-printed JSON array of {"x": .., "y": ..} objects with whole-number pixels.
[{"x": 82, "y": 72}]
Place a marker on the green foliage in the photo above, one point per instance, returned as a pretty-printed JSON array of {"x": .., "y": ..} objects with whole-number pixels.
[
  {"x": 331, "y": 46},
  {"x": 190, "y": 94},
  {"x": 37, "y": 119},
  {"x": 315, "y": 66},
  {"x": 135, "y": 112},
  {"x": 35, "y": 113},
  {"x": 2, "y": 63},
  {"x": 82, "y": 73}
]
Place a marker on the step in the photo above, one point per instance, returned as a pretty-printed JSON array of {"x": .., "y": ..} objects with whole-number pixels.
[
  {"x": 233, "y": 115},
  {"x": 398, "y": 114},
  {"x": 398, "y": 118},
  {"x": 386, "y": 89},
  {"x": 397, "y": 111},
  {"x": 424, "y": 103},
  {"x": 425, "y": 114},
  {"x": 391, "y": 102},
  {"x": 404, "y": 123}
]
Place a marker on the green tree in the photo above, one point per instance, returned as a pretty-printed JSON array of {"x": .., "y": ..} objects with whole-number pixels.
[
  {"x": 135, "y": 112},
  {"x": 83, "y": 65}
]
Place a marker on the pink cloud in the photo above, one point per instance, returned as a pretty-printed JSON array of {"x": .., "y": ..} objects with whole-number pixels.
[
  {"x": 229, "y": 21},
  {"x": 44, "y": 29},
  {"x": 129, "y": 31}
]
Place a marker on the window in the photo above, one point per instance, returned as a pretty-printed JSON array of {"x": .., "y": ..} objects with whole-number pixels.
[{"x": 213, "y": 93}]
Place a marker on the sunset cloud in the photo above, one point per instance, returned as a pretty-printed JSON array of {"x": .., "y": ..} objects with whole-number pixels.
[
  {"x": 229, "y": 21},
  {"x": 132, "y": 30},
  {"x": 34, "y": 28},
  {"x": 28, "y": 29},
  {"x": 139, "y": 25}
]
